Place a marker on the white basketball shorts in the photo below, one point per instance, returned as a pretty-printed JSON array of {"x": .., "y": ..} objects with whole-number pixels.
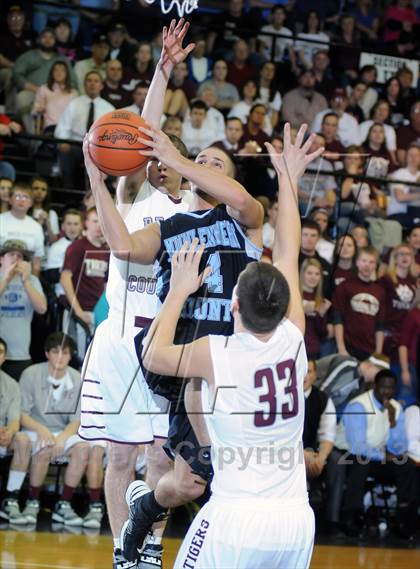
[
  {"x": 70, "y": 442},
  {"x": 116, "y": 403},
  {"x": 249, "y": 534}
]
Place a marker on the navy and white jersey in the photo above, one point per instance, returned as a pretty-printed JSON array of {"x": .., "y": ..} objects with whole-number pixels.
[{"x": 227, "y": 249}]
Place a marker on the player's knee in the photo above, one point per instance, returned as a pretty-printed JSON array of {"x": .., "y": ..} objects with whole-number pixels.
[
  {"x": 122, "y": 457},
  {"x": 191, "y": 487}
]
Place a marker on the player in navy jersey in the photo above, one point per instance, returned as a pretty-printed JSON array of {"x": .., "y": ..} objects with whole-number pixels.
[{"x": 257, "y": 374}]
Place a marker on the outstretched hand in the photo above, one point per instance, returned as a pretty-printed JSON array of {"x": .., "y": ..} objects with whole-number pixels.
[
  {"x": 185, "y": 278},
  {"x": 172, "y": 50},
  {"x": 95, "y": 175},
  {"x": 294, "y": 159},
  {"x": 160, "y": 146}
]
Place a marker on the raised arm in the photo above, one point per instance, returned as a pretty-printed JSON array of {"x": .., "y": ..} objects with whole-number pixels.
[
  {"x": 160, "y": 355},
  {"x": 290, "y": 165},
  {"x": 243, "y": 207}
]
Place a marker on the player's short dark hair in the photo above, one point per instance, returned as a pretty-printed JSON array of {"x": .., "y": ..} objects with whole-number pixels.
[
  {"x": 385, "y": 373},
  {"x": 4, "y": 343},
  {"x": 311, "y": 224},
  {"x": 179, "y": 145},
  {"x": 263, "y": 297},
  {"x": 59, "y": 340}
]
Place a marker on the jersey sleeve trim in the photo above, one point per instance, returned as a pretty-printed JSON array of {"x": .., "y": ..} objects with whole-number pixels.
[{"x": 251, "y": 249}]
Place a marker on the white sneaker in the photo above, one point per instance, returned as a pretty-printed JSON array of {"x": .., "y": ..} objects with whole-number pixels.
[
  {"x": 31, "y": 511},
  {"x": 94, "y": 517},
  {"x": 64, "y": 513},
  {"x": 10, "y": 511}
]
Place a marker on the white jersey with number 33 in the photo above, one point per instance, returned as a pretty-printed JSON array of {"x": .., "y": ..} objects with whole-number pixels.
[{"x": 255, "y": 415}]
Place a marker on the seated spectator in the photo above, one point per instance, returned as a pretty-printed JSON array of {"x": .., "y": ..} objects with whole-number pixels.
[
  {"x": 347, "y": 125},
  {"x": 41, "y": 211},
  {"x": 325, "y": 84},
  {"x": 301, "y": 105},
  {"x": 239, "y": 69},
  {"x": 180, "y": 91},
  {"x": 368, "y": 74},
  {"x": 242, "y": 109},
  {"x": 53, "y": 97},
  {"x": 381, "y": 161},
  {"x": 404, "y": 203},
  {"x": 71, "y": 229},
  {"x": 392, "y": 95},
  {"x": 399, "y": 284},
  {"x": 83, "y": 279},
  {"x": 269, "y": 95},
  {"x": 325, "y": 245},
  {"x": 173, "y": 125},
  {"x": 14, "y": 41},
  {"x": 320, "y": 424},
  {"x": 78, "y": 117},
  {"x": 343, "y": 261},
  {"x": 253, "y": 131},
  {"x": 367, "y": 20},
  {"x": 141, "y": 68},
  {"x": 139, "y": 97},
  {"x": 316, "y": 190},
  {"x": 226, "y": 93},
  {"x": 31, "y": 70},
  {"x": 195, "y": 133},
  {"x": 407, "y": 94},
  {"x": 346, "y": 53},
  {"x": 412, "y": 422},
  {"x": 360, "y": 235},
  {"x": 329, "y": 129},
  {"x": 311, "y": 233},
  {"x": 409, "y": 134},
  {"x": 233, "y": 134},
  {"x": 6, "y": 185},
  {"x": 282, "y": 46},
  {"x": 112, "y": 90},
  {"x": 314, "y": 305},
  {"x": 215, "y": 120},
  {"x": 50, "y": 418},
  {"x": 8, "y": 127},
  {"x": 20, "y": 295},
  {"x": 199, "y": 66},
  {"x": 100, "y": 51},
  {"x": 377, "y": 444},
  {"x": 380, "y": 114},
  {"x": 400, "y": 20},
  {"x": 64, "y": 43},
  {"x": 359, "y": 309},
  {"x": 16, "y": 224},
  {"x": 119, "y": 46},
  {"x": 312, "y": 30},
  {"x": 408, "y": 355},
  {"x": 9, "y": 406},
  {"x": 357, "y": 93},
  {"x": 270, "y": 224}
]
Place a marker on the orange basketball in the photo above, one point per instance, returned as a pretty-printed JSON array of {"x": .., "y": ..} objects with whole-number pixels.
[{"x": 113, "y": 144}]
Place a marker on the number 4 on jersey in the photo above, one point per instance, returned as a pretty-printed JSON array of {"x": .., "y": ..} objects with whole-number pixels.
[{"x": 215, "y": 280}]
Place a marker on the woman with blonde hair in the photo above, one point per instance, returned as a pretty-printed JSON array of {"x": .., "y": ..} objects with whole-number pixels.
[
  {"x": 399, "y": 283},
  {"x": 314, "y": 306}
]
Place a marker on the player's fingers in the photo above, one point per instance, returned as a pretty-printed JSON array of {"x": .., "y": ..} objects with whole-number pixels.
[
  {"x": 314, "y": 155},
  {"x": 183, "y": 251},
  {"x": 147, "y": 142},
  {"x": 270, "y": 148},
  {"x": 192, "y": 250},
  {"x": 205, "y": 274},
  {"x": 300, "y": 135},
  {"x": 286, "y": 135},
  {"x": 189, "y": 48},
  {"x": 149, "y": 131},
  {"x": 172, "y": 26},
  {"x": 308, "y": 143},
  {"x": 178, "y": 28},
  {"x": 183, "y": 31},
  {"x": 175, "y": 260},
  {"x": 164, "y": 33}
]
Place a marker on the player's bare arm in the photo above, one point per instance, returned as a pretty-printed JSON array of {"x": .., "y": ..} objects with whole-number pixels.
[
  {"x": 160, "y": 354},
  {"x": 172, "y": 53},
  {"x": 141, "y": 246},
  {"x": 289, "y": 166},
  {"x": 243, "y": 207}
]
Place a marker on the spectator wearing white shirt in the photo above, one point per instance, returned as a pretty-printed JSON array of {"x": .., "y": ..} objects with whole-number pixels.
[
  {"x": 368, "y": 74},
  {"x": 196, "y": 132},
  {"x": 282, "y": 44},
  {"x": 100, "y": 51},
  {"x": 74, "y": 123},
  {"x": 215, "y": 119},
  {"x": 404, "y": 204},
  {"x": 311, "y": 31},
  {"x": 381, "y": 113},
  {"x": 268, "y": 94},
  {"x": 348, "y": 127},
  {"x": 16, "y": 224},
  {"x": 242, "y": 109}
]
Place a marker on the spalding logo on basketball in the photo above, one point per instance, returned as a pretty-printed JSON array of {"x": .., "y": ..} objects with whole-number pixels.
[{"x": 113, "y": 143}]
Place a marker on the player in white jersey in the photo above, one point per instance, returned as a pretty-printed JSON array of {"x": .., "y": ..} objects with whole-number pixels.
[
  {"x": 259, "y": 514},
  {"x": 117, "y": 405}
]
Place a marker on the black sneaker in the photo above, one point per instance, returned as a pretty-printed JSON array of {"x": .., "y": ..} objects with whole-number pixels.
[
  {"x": 120, "y": 562},
  {"x": 151, "y": 557},
  {"x": 139, "y": 524}
]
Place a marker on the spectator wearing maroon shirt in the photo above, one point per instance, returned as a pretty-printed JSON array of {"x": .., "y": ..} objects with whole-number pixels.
[
  {"x": 344, "y": 258},
  {"x": 359, "y": 309},
  {"x": 408, "y": 355},
  {"x": 142, "y": 68},
  {"x": 83, "y": 278},
  {"x": 413, "y": 239},
  {"x": 112, "y": 90},
  {"x": 239, "y": 70},
  {"x": 311, "y": 234},
  {"x": 333, "y": 147},
  {"x": 399, "y": 284},
  {"x": 408, "y": 134},
  {"x": 314, "y": 306}
]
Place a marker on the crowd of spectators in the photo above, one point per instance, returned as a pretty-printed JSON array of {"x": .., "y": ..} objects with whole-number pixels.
[{"x": 257, "y": 66}]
